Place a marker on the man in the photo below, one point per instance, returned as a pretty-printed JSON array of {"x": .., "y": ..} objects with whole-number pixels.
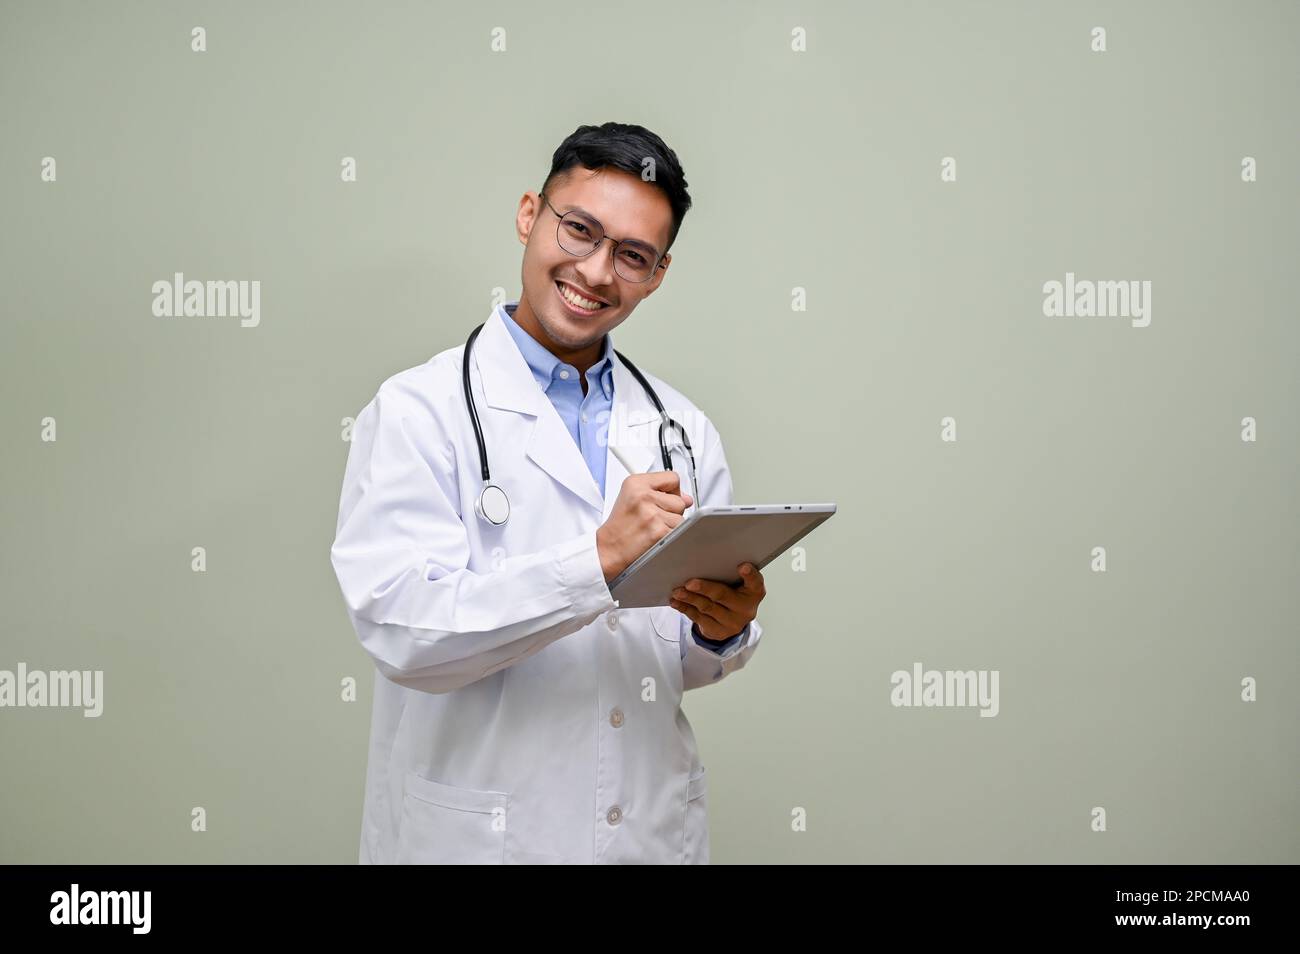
[{"x": 519, "y": 716}]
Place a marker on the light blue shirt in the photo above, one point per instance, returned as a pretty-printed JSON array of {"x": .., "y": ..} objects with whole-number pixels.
[{"x": 582, "y": 414}]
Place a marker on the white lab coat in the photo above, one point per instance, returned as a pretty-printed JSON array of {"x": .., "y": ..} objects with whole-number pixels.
[{"x": 517, "y": 716}]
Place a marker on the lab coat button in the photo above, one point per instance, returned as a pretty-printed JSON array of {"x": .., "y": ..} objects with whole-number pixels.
[
  {"x": 616, "y": 717},
  {"x": 614, "y": 815},
  {"x": 611, "y": 620}
]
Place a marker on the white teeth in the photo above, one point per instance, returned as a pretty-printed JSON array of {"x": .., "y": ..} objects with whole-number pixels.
[{"x": 577, "y": 299}]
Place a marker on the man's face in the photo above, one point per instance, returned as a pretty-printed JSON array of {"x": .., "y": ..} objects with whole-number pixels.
[{"x": 627, "y": 208}]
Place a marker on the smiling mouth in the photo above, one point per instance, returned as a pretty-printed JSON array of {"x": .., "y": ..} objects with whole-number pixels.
[{"x": 576, "y": 302}]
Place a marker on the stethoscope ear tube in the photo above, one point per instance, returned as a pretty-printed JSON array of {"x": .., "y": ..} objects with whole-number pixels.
[
  {"x": 664, "y": 419},
  {"x": 664, "y": 422},
  {"x": 686, "y": 445},
  {"x": 473, "y": 412}
]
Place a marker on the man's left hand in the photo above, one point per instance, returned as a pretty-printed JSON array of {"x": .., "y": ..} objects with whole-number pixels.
[{"x": 720, "y": 611}]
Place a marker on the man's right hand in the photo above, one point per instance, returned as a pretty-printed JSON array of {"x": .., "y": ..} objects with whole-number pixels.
[{"x": 647, "y": 508}]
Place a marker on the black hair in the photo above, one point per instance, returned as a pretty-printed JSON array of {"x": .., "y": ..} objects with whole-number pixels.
[{"x": 625, "y": 147}]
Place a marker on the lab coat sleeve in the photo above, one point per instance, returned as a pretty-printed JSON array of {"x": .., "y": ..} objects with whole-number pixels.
[
  {"x": 701, "y": 665},
  {"x": 401, "y": 555}
]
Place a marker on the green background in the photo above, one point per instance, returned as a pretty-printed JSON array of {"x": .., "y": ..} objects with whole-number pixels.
[{"x": 817, "y": 170}]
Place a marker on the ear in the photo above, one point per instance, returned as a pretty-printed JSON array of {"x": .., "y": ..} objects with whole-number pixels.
[
  {"x": 526, "y": 217},
  {"x": 660, "y": 274}
]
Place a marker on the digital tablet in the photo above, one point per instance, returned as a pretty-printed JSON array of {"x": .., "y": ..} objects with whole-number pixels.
[{"x": 710, "y": 544}]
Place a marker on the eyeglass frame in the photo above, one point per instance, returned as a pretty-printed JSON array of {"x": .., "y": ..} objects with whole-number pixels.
[{"x": 604, "y": 235}]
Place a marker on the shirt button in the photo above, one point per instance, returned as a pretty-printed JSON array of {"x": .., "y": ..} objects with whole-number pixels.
[
  {"x": 584, "y": 419},
  {"x": 565, "y": 375},
  {"x": 614, "y": 815},
  {"x": 616, "y": 717},
  {"x": 611, "y": 620}
]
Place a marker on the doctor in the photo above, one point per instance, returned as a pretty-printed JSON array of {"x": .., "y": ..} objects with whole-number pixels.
[{"x": 519, "y": 715}]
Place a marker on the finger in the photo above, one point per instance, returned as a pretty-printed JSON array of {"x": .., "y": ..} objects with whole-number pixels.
[
  {"x": 724, "y": 615},
  {"x": 718, "y": 592},
  {"x": 752, "y": 580},
  {"x": 739, "y": 598},
  {"x": 665, "y": 480},
  {"x": 674, "y": 503},
  {"x": 671, "y": 520},
  {"x": 708, "y": 624},
  {"x": 690, "y": 612}
]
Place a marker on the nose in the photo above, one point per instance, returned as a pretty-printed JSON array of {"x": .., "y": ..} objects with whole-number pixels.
[{"x": 597, "y": 269}]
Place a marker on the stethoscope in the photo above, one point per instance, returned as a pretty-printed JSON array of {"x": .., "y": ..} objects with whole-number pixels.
[{"x": 493, "y": 505}]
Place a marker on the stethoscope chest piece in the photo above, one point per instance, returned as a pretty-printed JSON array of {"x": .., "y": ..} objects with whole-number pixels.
[{"x": 493, "y": 505}]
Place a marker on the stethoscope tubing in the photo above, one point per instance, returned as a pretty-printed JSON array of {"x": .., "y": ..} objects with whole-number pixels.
[{"x": 664, "y": 422}]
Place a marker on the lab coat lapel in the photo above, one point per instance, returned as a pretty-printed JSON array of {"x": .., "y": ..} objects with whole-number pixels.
[{"x": 508, "y": 384}]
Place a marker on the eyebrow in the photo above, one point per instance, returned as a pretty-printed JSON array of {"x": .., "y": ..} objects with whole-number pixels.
[{"x": 578, "y": 208}]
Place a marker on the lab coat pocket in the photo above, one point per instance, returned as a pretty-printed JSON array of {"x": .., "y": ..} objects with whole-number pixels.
[
  {"x": 696, "y": 847},
  {"x": 667, "y": 623},
  {"x": 443, "y": 824}
]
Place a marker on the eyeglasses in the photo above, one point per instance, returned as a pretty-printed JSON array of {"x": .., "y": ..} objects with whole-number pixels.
[{"x": 579, "y": 234}]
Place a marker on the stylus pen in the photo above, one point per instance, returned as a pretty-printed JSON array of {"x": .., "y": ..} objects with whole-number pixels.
[{"x": 627, "y": 464}]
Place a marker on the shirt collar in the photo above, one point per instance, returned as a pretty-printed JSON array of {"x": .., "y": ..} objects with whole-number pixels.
[{"x": 545, "y": 365}]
